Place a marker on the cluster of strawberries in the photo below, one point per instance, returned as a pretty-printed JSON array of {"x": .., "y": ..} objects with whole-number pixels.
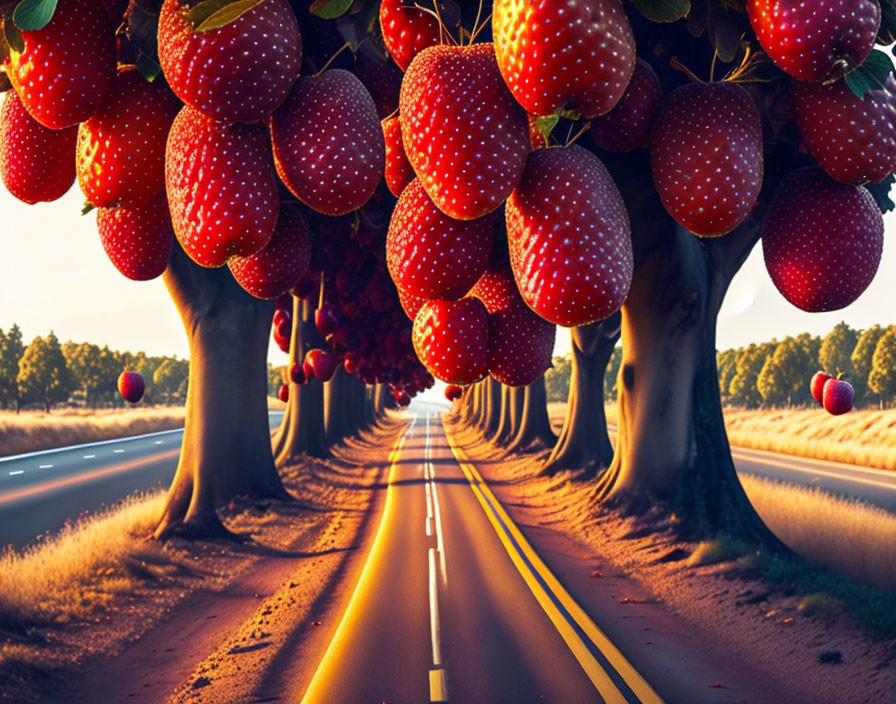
[{"x": 498, "y": 234}]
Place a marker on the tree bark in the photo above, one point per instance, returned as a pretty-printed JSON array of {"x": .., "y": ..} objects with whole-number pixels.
[
  {"x": 302, "y": 430},
  {"x": 512, "y": 399},
  {"x": 226, "y": 449},
  {"x": 584, "y": 443},
  {"x": 339, "y": 415},
  {"x": 534, "y": 431},
  {"x": 492, "y": 419},
  {"x": 672, "y": 449}
]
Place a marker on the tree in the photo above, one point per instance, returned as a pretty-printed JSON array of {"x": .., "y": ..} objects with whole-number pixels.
[
  {"x": 783, "y": 377},
  {"x": 43, "y": 374},
  {"x": 743, "y": 389},
  {"x": 727, "y": 362},
  {"x": 11, "y": 351},
  {"x": 862, "y": 360},
  {"x": 556, "y": 379},
  {"x": 171, "y": 379},
  {"x": 882, "y": 379}
]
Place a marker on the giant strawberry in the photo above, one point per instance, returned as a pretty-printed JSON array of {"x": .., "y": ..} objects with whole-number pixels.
[
  {"x": 240, "y": 72},
  {"x": 851, "y": 138},
  {"x": 821, "y": 240},
  {"x": 65, "y": 70},
  {"x": 411, "y": 305},
  {"x": 815, "y": 40},
  {"x": 121, "y": 149},
  {"x": 570, "y": 238},
  {"x": 137, "y": 240},
  {"x": 328, "y": 143},
  {"x": 36, "y": 163},
  {"x": 706, "y": 156},
  {"x": 451, "y": 340},
  {"x": 277, "y": 266},
  {"x": 520, "y": 343},
  {"x": 407, "y": 30},
  {"x": 578, "y": 54},
  {"x": 627, "y": 126},
  {"x": 431, "y": 255},
  {"x": 464, "y": 134},
  {"x": 398, "y": 169},
  {"x": 222, "y": 188}
]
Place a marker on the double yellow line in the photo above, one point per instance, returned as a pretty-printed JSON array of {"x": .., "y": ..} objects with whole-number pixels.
[{"x": 587, "y": 642}]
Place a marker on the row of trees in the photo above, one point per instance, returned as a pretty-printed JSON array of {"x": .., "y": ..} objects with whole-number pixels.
[
  {"x": 48, "y": 373},
  {"x": 777, "y": 373},
  {"x": 556, "y": 379}
]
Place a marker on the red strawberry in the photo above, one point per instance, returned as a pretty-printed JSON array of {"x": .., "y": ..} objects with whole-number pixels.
[
  {"x": 276, "y": 267},
  {"x": 706, "y": 155},
  {"x": 407, "y": 30},
  {"x": 851, "y": 138},
  {"x": 240, "y": 72},
  {"x": 819, "y": 379},
  {"x": 627, "y": 126},
  {"x": 822, "y": 240},
  {"x": 464, "y": 134},
  {"x": 121, "y": 149},
  {"x": 138, "y": 240},
  {"x": 398, "y": 169},
  {"x": 66, "y": 69},
  {"x": 410, "y": 304},
  {"x": 453, "y": 392},
  {"x": 283, "y": 393},
  {"x": 131, "y": 386},
  {"x": 537, "y": 139},
  {"x": 578, "y": 55},
  {"x": 570, "y": 238},
  {"x": 319, "y": 363},
  {"x": 328, "y": 143},
  {"x": 451, "y": 340},
  {"x": 222, "y": 188},
  {"x": 520, "y": 343},
  {"x": 815, "y": 40},
  {"x": 838, "y": 397},
  {"x": 36, "y": 163},
  {"x": 430, "y": 255}
]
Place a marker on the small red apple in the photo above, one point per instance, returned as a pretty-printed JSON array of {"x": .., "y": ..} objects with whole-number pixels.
[
  {"x": 325, "y": 321},
  {"x": 283, "y": 393},
  {"x": 838, "y": 397},
  {"x": 453, "y": 392},
  {"x": 297, "y": 374},
  {"x": 321, "y": 364},
  {"x": 131, "y": 386},
  {"x": 817, "y": 385}
]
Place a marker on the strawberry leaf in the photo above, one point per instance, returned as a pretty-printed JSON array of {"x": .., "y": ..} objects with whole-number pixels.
[
  {"x": 663, "y": 10},
  {"x": 887, "y": 32},
  {"x": 148, "y": 67},
  {"x": 214, "y": 14},
  {"x": 13, "y": 36},
  {"x": 546, "y": 125},
  {"x": 330, "y": 9},
  {"x": 881, "y": 193},
  {"x": 726, "y": 30},
  {"x": 88, "y": 207},
  {"x": 33, "y": 14},
  {"x": 871, "y": 75}
]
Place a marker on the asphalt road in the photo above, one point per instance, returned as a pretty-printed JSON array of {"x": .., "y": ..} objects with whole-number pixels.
[
  {"x": 40, "y": 491},
  {"x": 453, "y": 605}
]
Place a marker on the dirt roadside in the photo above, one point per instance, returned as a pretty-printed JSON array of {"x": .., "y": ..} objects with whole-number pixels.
[
  {"x": 214, "y": 634},
  {"x": 715, "y": 633}
]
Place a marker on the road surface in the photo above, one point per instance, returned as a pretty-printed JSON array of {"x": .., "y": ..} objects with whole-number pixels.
[
  {"x": 40, "y": 491},
  {"x": 454, "y": 605}
]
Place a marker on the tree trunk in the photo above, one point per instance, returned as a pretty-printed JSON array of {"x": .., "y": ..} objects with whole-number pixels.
[
  {"x": 379, "y": 400},
  {"x": 512, "y": 399},
  {"x": 226, "y": 449},
  {"x": 535, "y": 427},
  {"x": 584, "y": 443},
  {"x": 339, "y": 410},
  {"x": 302, "y": 430},
  {"x": 492, "y": 420}
]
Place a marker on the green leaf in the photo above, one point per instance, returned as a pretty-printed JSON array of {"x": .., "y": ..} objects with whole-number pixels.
[
  {"x": 887, "y": 32},
  {"x": 663, "y": 10},
  {"x": 330, "y": 9},
  {"x": 88, "y": 207},
  {"x": 148, "y": 67},
  {"x": 546, "y": 125},
  {"x": 33, "y": 14},
  {"x": 13, "y": 37},
  {"x": 214, "y": 14},
  {"x": 881, "y": 193},
  {"x": 871, "y": 75}
]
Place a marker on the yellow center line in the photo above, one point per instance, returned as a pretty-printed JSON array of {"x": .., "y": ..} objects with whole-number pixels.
[{"x": 526, "y": 560}]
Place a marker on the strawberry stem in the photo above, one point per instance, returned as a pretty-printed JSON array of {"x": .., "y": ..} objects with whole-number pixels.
[
  {"x": 578, "y": 134},
  {"x": 333, "y": 58},
  {"x": 320, "y": 294},
  {"x": 678, "y": 66},
  {"x": 481, "y": 27},
  {"x": 712, "y": 66}
]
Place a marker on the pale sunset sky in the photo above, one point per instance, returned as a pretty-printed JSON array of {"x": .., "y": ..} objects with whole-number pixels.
[{"x": 55, "y": 276}]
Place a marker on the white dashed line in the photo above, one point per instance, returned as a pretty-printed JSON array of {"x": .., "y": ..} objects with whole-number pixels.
[
  {"x": 160, "y": 442},
  {"x": 89, "y": 457},
  {"x": 21, "y": 471},
  {"x": 44, "y": 466},
  {"x": 117, "y": 451}
]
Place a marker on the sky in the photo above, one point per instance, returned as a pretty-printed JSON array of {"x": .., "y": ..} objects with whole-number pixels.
[{"x": 55, "y": 276}]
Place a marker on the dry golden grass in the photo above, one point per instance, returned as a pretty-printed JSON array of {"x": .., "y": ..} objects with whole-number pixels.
[
  {"x": 30, "y": 431},
  {"x": 866, "y": 438},
  {"x": 73, "y": 574},
  {"x": 850, "y": 537}
]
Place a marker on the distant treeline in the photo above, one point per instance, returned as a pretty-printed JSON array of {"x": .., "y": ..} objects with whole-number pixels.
[
  {"x": 777, "y": 373},
  {"x": 48, "y": 373}
]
